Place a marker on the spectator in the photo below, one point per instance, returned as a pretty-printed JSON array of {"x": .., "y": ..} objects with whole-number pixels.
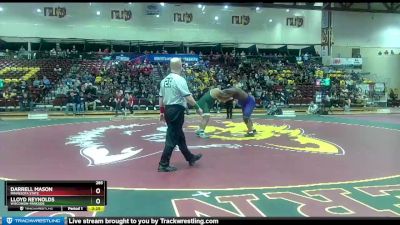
[
  {"x": 71, "y": 102},
  {"x": 1, "y": 84},
  {"x": 74, "y": 51},
  {"x": 273, "y": 109},
  {"x": 57, "y": 69},
  {"x": 90, "y": 100},
  {"x": 25, "y": 102},
  {"x": 23, "y": 86},
  {"x": 46, "y": 82},
  {"x": 327, "y": 103},
  {"x": 80, "y": 102},
  {"x": 347, "y": 105},
  {"x": 312, "y": 108},
  {"x": 53, "y": 53},
  {"x": 131, "y": 101},
  {"x": 119, "y": 102},
  {"x": 264, "y": 99},
  {"x": 37, "y": 83},
  {"x": 392, "y": 95},
  {"x": 7, "y": 94}
]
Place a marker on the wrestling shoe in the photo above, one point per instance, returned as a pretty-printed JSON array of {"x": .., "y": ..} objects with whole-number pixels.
[
  {"x": 194, "y": 159},
  {"x": 203, "y": 135},
  {"x": 166, "y": 168},
  {"x": 198, "y": 132},
  {"x": 249, "y": 134}
]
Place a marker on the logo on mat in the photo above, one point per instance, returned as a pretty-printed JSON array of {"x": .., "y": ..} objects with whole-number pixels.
[
  {"x": 225, "y": 135},
  {"x": 295, "y": 139}
]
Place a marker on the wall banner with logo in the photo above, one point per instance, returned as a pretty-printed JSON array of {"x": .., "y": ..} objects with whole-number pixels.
[
  {"x": 121, "y": 15},
  {"x": 346, "y": 62},
  {"x": 152, "y": 9},
  {"x": 183, "y": 17},
  {"x": 168, "y": 57},
  {"x": 297, "y": 21},
  {"x": 241, "y": 20},
  {"x": 59, "y": 12}
]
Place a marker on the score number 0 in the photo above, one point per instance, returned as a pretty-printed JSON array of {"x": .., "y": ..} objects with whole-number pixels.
[{"x": 98, "y": 191}]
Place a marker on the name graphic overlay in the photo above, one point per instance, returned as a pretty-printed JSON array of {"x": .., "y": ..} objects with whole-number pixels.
[{"x": 55, "y": 195}]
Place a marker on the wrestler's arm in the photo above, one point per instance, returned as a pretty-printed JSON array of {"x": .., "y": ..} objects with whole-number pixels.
[
  {"x": 227, "y": 93},
  {"x": 223, "y": 97}
]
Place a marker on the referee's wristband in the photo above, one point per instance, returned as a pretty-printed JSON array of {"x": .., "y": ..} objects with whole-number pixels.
[{"x": 162, "y": 109}]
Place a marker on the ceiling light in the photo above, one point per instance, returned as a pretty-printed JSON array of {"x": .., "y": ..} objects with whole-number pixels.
[
  {"x": 202, "y": 9},
  {"x": 199, "y": 6},
  {"x": 270, "y": 20},
  {"x": 90, "y": 4},
  {"x": 225, "y": 6},
  {"x": 98, "y": 13},
  {"x": 162, "y": 4},
  {"x": 1, "y": 9},
  {"x": 258, "y": 8},
  {"x": 287, "y": 10},
  {"x": 38, "y": 10},
  {"x": 130, "y": 3},
  {"x": 157, "y": 16},
  {"x": 216, "y": 18}
]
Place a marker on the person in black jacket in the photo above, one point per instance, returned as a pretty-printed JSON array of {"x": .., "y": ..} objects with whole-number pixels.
[
  {"x": 71, "y": 102},
  {"x": 229, "y": 108},
  {"x": 80, "y": 102}
]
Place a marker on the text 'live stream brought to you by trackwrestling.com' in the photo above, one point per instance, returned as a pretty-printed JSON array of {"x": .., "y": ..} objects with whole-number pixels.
[{"x": 140, "y": 221}]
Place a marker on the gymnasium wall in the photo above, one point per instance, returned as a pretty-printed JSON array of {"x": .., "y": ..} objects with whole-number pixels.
[
  {"x": 371, "y": 32},
  {"x": 383, "y": 69},
  {"x": 81, "y": 21}
]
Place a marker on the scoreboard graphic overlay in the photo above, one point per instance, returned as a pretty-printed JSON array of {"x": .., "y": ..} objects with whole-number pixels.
[{"x": 56, "y": 195}]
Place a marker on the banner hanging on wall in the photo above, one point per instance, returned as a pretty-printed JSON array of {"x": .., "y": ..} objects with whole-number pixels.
[
  {"x": 297, "y": 21},
  {"x": 121, "y": 15},
  {"x": 59, "y": 12},
  {"x": 124, "y": 56},
  {"x": 242, "y": 20},
  {"x": 161, "y": 58},
  {"x": 183, "y": 17},
  {"x": 168, "y": 57},
  {"x": 152, "y": 9},
  {"x": 346, "y": 62},
  {"x": 326, "y": 33}
]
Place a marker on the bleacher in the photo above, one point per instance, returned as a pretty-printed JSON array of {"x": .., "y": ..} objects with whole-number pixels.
[{"x": 16, "y": 70}]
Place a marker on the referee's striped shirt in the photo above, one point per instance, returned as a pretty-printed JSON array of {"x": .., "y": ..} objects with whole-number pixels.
[{"x": 174, "y": 89}]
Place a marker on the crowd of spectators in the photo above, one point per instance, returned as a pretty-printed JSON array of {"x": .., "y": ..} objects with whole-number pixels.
[
  {"x": 271, "y": 80},
  {"x": 121, "y": 86},
  {"x": 26, "y": 93},
  {"x": 278, "y": 81}
]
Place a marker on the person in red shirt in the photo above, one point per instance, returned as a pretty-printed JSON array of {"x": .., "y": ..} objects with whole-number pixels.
[
  {"x": 131, "y": 101},
  {"x": 147, "y": 69}
]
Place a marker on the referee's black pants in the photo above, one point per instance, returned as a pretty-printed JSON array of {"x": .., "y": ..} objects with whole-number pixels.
[
  {"x": 229, "y": 109},
  {"x": 175, "y": 117}
]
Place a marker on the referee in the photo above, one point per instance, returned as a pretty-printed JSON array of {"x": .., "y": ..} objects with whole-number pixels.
[{"x": 174, "y": 96}]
